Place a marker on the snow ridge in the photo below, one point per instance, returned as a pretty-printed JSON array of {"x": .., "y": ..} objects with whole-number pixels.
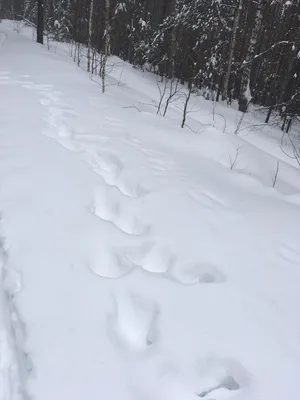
[
  {"x": 14, "y": 362},
  {"x": 2, "y": 38}
]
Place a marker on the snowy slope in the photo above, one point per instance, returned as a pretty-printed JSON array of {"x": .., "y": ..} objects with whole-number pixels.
[{"x": 139, "y": 264}]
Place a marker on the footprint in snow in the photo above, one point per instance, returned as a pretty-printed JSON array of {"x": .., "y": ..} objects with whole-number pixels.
[
  {"x": 222, "y": 389},
  {"x": 220, "y": 379},
  {"x": 12, "y": 281},
  {"x": 117, "y": 262},
  {"x": 198, "y": 273},
  {"x": 152, "y": 257},
  {"x": 109, "y": 205},
  {"x": 110, "y": 167},
  {"x": 134, "y": 321},
  {"x": 111, "y": 264}
]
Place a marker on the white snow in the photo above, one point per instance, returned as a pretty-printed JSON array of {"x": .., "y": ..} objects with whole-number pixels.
[{"x": 139, "y": 264}]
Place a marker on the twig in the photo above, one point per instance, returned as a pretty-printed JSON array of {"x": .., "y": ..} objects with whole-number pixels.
[
  {"x": 234, "y": 161},
  {"x": 275, "y": 175},
  {"x": 132, "y": 107}
]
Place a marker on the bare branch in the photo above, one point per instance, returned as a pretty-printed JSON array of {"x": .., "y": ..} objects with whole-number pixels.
[
  {"x": 132, "y": 107},
  {"x": 235, "y": 160},
  {"x": 275, "y": 174},
  {"x": 264, "y": 52}
]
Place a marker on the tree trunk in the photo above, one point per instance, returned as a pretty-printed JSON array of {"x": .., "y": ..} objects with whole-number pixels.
[
  {"x": 284, "y": 121},
  {"x": 231, "y": 49},
  {"x": 187, "y": 99},
  {"x": 269, "y": 114},
  {"x": 90, "y": 36},
  {"x": 50, "y": 10},
  {"x": 289, "y": 124},
  {"x": 245, "y": 93},
  {"x": 40, "y": 22},
  {"x": 106, "y": 51}
]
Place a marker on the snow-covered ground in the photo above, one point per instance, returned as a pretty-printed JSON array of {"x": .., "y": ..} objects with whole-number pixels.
[{"x": 138, "y": 260}]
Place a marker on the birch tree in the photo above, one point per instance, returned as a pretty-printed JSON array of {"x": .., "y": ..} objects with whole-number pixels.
[
  {"x": 232, "y": 48},
  {"x": 89, "y": 51},
  {"x": 106, "y": 37},
  {"x": 245, "y": 90}
]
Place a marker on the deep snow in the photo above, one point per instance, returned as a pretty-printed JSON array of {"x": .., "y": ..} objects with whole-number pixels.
[{"x": 139, "y": 264}]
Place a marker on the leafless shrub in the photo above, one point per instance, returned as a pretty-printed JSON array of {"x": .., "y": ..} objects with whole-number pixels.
[
  {"x": 296, "y": 151},
  {"x": 161, "y": 83},
  {"x": 234, "y": 160}
]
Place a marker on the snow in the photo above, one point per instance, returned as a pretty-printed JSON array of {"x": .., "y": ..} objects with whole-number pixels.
[{"x": 140, "y": 263}]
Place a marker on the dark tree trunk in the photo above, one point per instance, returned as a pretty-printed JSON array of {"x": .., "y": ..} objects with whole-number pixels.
[
  {"x": 283, "y": 124},
  {"x": 289, "y": 124},
  {"x": 40, "y": 22},
  {"x": 269, "y": 114}
]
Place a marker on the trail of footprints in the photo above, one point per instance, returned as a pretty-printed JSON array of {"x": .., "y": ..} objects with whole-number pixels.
[
  {"x": 134, "y": 321},
  {"x": 111, "y": 205},
  {"x": 115, "y": 201}
]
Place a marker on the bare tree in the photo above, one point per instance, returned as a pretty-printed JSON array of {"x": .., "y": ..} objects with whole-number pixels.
[{"x": 173, "y": 90}]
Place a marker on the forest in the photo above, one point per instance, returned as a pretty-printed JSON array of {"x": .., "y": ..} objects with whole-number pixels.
[{"x": 233, "y": 50}]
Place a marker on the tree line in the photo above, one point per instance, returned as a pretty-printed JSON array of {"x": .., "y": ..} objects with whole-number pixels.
[{"x": 243, "y": 50}]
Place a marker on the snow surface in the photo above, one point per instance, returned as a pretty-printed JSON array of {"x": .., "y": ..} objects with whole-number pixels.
[{"x": 138, "y": 260}]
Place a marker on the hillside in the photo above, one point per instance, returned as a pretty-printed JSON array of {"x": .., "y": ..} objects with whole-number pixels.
[{"x": 141, "y": 260}]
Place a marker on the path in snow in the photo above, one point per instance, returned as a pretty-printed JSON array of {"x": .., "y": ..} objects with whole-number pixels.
[
  {"x": 199, "y": 302},
  {"x": 15, "y": 364}
]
